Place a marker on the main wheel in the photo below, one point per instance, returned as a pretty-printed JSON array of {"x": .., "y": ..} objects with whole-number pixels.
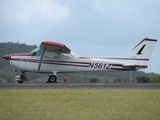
[
  {"x": 52, "y": 78},
  {"x": 20, "y": 81}
]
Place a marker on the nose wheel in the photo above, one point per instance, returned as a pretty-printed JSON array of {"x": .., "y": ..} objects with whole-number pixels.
[
  {"x": 22, "y": 77},
  {"x": 20, "y": 81},
  {"x": 52, "y": 79}
]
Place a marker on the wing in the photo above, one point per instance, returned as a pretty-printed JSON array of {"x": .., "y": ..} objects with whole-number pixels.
[{"x": 52, "y": 47}]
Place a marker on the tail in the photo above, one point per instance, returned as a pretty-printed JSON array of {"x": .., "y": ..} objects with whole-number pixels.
[{"x": 142, "y": 52}]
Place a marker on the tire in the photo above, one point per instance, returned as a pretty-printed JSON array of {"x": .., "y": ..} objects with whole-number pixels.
[
  {"x": 20, "y": 81},
  {"x": 52, "y": 78}
]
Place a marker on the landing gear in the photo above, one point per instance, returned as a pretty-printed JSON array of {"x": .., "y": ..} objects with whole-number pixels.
[
  {"x": 22, "y": 77},
  {"x": 52, "y": 79},
  {"x": 20, "y": 81}
]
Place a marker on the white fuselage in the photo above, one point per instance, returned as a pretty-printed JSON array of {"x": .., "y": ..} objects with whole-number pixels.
[{"x": 49, "y": 64}]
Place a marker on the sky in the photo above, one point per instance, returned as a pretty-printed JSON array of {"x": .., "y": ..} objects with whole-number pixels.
[{"x": 87, "y": 27}]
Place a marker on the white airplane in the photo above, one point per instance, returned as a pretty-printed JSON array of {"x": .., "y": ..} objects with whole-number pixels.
[{"x": 53, "y": 58}]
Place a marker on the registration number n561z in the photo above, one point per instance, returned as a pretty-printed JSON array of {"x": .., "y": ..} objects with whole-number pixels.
[{"x": 99, "y": 65}]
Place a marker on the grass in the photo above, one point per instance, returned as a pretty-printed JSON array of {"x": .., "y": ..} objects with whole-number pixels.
[{"x": 80, "y": 104}]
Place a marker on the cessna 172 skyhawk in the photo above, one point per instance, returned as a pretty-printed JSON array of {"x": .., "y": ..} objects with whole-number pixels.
[{"x": 52, "y": 58}]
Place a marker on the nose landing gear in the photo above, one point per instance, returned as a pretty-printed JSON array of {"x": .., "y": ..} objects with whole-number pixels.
[{"x": 22, "y": 77}]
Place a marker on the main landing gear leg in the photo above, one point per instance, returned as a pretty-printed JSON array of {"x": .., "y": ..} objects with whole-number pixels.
[{"x": 52, "y": 79}]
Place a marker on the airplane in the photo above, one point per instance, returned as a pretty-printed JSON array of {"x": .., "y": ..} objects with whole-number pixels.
[{"x": 53, "y": 58}]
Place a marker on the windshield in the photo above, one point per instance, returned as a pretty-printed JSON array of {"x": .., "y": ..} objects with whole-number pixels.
[{"x": 36, "y": 52}]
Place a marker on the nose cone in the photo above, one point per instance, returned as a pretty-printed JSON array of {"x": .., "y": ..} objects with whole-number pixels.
[{"x": 6, "y": 57}]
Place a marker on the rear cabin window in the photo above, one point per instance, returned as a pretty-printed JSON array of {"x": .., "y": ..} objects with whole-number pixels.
[{"x": 65, "y": 56}]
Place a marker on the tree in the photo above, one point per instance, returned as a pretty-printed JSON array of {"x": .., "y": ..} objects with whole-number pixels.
[
  {"x": 156, "y": 79},
  {"x": 94, "y": 80},
  {"x": 142, "y": 79}
]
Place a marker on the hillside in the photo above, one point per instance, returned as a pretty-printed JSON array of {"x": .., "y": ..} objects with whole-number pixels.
[
  {"x": 10, "y": 47},
  {"x": 7, "y": 72}
]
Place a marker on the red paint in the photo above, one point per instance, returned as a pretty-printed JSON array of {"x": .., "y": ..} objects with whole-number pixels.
[
  {"x": 7, "y": 57},
  {"x": 145, "y": 39},
  {"x": 52, "y": 43},
  {"x": 143, "y": 59},
  {"x": 149, "y": 39},
  {"x": 22, "y": 54}
]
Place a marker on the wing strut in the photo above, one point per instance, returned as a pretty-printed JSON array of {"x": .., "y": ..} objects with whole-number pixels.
[{"x": 39, "y": 66}]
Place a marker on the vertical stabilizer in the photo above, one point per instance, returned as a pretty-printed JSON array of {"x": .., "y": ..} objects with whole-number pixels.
[{"x": 142, "y": 51}]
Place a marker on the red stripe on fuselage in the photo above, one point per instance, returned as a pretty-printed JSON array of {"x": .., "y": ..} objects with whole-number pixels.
[
  {"x": 67, "y": 63},
  {"x": 143, "y": 59},
  {"x": 22, "y": 54}
]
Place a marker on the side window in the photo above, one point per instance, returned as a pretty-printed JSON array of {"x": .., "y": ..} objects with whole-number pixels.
[
  {"x": 65, "y": 56},
  {"x": 50, "y": 55},
  {"x": 53, "y": 55}
]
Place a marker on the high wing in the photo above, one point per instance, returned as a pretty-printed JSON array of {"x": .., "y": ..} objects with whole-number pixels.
[{"x": 52, "y": 47}]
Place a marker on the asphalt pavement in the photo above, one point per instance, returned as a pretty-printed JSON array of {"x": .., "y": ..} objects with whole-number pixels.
[{"x": 79, "y": 86}]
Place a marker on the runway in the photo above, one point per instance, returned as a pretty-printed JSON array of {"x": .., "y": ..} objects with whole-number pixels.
[{"x": 79, "y": 86}]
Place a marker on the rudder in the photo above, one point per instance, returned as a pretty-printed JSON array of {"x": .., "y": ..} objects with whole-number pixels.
[{"x": 142, "y": 51}]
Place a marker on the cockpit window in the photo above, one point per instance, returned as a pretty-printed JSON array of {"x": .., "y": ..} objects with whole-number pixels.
[
  {"x": 52, "y": 55},
  {"x": 36, "y": 52}
]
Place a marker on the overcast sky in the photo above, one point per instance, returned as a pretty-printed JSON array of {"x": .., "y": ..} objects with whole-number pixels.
[{"x": 87, "y": 27}]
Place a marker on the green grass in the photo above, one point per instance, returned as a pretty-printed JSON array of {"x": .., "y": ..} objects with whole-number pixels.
[{"x": 79, "y": 104}]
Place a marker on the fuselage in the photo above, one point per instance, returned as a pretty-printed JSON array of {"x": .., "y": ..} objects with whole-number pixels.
[
  {"x": 52, "y": 57},
  {"x": 64, "y": 63}
]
